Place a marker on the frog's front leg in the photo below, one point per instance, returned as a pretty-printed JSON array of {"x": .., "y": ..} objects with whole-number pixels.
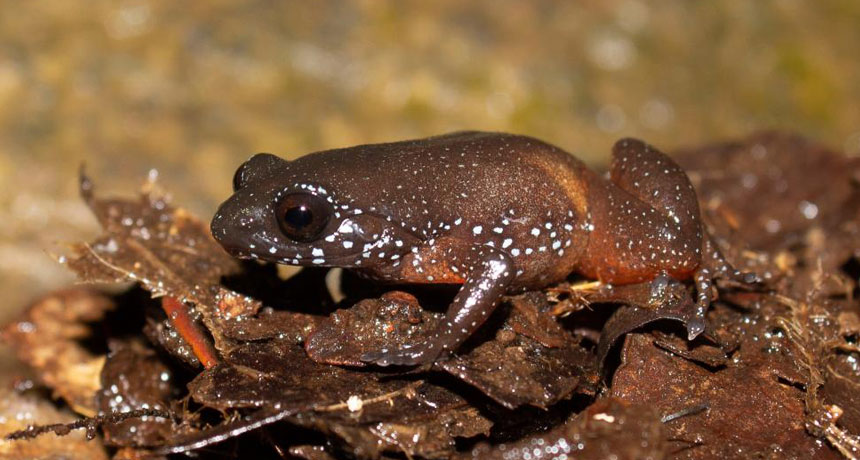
[{"x": 489, "y": 273}]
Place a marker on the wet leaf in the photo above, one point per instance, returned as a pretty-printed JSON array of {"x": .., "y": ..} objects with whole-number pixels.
[
  {"x": 639, "y": 308},
  {"x": 18, "y": 410},
  {"x": 271, "y": 324},
  {"x": 311, "y": 453},
  {"x": 609, "y": 428},
  {"x": 515, "y": 370},
  {"x": 766, "y": 192},
  {"x": 134, "y": 378},
  {"x": 48, "y": 338},
  {"x": 391, "y": 321},
  {"x": 696, "y": 351},
  {"x": 512, "y": 367},
  {"x": 368, "y": 415},
  {"x": 652, "y": 377},
  {"x": 531, "y": 317}
]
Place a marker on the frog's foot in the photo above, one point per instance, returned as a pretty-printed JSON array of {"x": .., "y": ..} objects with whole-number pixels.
[
  {"x": 664, "y": 291},
  {"x": 425, "y": 352},
  {"x": 659, "y": 287},
  {"x": 714, "y": 266}
]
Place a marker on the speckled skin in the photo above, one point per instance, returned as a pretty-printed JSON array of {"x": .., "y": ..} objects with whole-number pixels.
[{"x": 497, "y": 213}]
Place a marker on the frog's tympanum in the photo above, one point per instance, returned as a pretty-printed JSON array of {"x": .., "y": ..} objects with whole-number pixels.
[{"x": 495, "y": 213}]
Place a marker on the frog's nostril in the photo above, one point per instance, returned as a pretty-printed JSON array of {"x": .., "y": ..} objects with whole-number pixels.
[
  {"x": 216, "y": 228},
  {"x": 220, "y": 229}
]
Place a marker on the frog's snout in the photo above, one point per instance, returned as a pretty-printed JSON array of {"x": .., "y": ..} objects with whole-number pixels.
[{"x": 224, "y": 229}]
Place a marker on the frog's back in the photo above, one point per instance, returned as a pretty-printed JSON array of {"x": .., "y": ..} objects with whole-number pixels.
[{"x": 470, "y": 174}]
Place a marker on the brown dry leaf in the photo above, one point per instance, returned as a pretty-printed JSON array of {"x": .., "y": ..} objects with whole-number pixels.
[{"x": 48, "y": 338}]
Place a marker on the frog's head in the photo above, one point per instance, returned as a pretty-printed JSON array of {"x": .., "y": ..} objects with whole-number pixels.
[{"x": 281, "y": 212}]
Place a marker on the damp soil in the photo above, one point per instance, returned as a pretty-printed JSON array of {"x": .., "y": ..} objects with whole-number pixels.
[{"x": 172, "y": 348}]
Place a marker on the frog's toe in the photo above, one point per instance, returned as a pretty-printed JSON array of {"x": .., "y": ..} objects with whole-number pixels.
[
  {"x": 748, "y": 277},
  {"x": 727, "y": 272},
  {"x": 695, "y": 326},
  {"x": 721, "y": 268}
]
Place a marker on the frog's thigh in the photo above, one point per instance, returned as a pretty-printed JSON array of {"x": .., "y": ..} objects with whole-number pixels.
[{"x": 648, "y": 174}]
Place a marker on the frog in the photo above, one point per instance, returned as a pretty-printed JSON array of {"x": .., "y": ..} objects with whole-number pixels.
[{"x": 495, "y": 213}]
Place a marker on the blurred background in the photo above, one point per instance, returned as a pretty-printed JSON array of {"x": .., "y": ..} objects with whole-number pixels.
[{"x": 193, "y": 88}]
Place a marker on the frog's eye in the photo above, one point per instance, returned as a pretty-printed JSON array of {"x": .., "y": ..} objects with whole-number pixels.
[
  {"x": 239, "y": 178},
  {"x": 258, "y": 165},
  {"x": 302, "y": 216}
]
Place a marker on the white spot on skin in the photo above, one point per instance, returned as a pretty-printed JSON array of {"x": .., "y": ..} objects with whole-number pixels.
[
  {"x": 273, "y": 250},
  {"x": 535, "y": 231},
  {"x": 345, "y": 226},
  {"x": 317, "y": 252},
  {"x": 477, "y": 230},
  {"x": 347, "y": 244},
  {"x": 507, "y": 243}
]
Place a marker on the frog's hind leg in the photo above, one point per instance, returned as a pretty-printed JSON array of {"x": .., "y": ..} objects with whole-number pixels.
[{"x": 655, "y": 179}]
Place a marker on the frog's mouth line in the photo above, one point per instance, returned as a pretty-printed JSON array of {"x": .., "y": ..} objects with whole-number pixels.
[
  {"x": 305, "y": 254},
  {"x": 303, "y": 260}
]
